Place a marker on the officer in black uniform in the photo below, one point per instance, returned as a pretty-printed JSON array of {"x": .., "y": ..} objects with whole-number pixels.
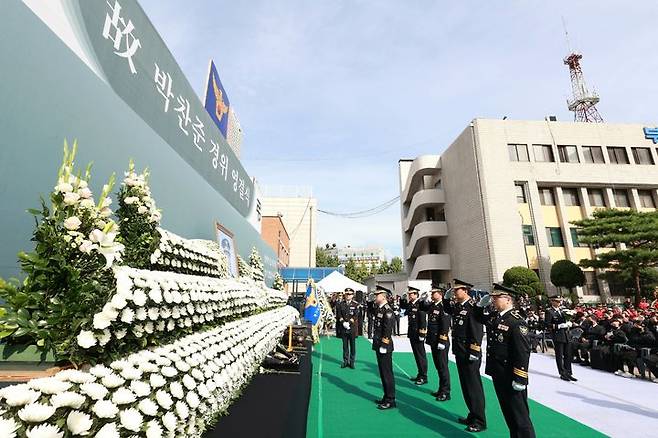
[
  {"x": 382, "y": 343},
  {"x": 508, "y": 355},
  {"x": 557, "y": 325},
  {"x": 467, "y": 335},
  {"x": 416, "y": 332},
  {"x": 348, "y": 313},
  {"x": 438, "y": 326}
]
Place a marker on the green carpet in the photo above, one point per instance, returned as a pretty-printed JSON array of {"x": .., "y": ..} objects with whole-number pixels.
[{"x": 342, "y": 402}]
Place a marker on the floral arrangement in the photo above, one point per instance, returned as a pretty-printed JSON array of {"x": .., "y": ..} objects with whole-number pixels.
[
  {"x": 186, "y": 256},
  {"x": 278, "y": 282},
  {"x": 69, "y": 270},
  {"x": 139, "y": 219},
  {"x": 256, "y": 265},
  {"x": 175, "y": 390},
  {"x": 150, "y": 307},
  {"x": 244, "y": 269}
]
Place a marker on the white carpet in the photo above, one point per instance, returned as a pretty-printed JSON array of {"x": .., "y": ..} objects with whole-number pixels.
[{"x": 611, "y": 404}]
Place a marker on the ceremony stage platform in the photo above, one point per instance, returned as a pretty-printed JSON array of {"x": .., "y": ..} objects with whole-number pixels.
[{"x": 342, "y": 401}]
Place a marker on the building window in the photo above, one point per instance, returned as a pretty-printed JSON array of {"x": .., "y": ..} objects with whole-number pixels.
[
  {"x": 617, "y": 155},
  {"x": 433, "y": 244},
  {"x": 518, "y": 152},
  {"x": 429, "y": 213},
  {"x": 593, "y": 154},
  {"x": 568, "y": 154},
  {"x": 520, "y": 193},
  {"x": 646, "y": 199},
  {"x": 543, "y": 153},
  {"x": 546, "y": 196},
  {"x": 528, "y": 235},
  {"x": 554, "y": 236},
  {"x": 571, "y": 197},
  {"x": 621, "y": 198},
  {"x": 596, "y": 198},
  {"x": 642, "y": 156},
  {"x": 574, "y": 237}
]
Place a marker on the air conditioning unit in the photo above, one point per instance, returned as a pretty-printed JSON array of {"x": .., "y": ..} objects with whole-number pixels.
[{"x": 551, "y": 118}]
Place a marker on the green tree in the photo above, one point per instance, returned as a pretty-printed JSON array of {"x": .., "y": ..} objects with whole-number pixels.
[
  {"x": 637, "y": 231},
  {"x": 383, "y": 268},
  {"x": 396, "y": 265},
  {"x": 523, "y": 280},
  {"x": 565, "y": 273},
  {"x": 324, "y": 259}
]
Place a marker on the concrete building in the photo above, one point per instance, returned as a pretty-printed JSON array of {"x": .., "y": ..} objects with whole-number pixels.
[
  {"x": 299, "y": 216},
  {"x": 504, "y": 193},
  {"x": 274, "y": 233},
  {"x": 368, "y": 256}
]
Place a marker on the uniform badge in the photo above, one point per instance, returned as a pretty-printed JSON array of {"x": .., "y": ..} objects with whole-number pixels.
[
  {"x": 463, "y": 312},
  {"x": 523, "y": 329},
  {"x": 436, "y": 312},
  {"x": 503, "y": 327},
  {"x": 500, "y": 337},
  {"x": 379, "y": 315},
  {"x": 461, "y": 322}
]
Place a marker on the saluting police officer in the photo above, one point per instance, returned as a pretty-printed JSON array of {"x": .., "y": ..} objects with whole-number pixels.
[
  {"x": 416, "y": 332},
  {"x": 467, "y": 335},
  {"x": 348, "y": 316},
  {"x": 382, "y": 343},
  {"x": 508, "y": 355},
  {"x": 438, "y": 326}
]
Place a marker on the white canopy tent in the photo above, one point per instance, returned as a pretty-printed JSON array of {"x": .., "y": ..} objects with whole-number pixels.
[{"x": 337, "y": 282}]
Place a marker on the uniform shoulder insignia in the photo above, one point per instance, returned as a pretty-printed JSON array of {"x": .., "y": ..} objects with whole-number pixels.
[
  {"x": 523, "y": 329},
  {"x": 516, "y": 314},
  {"x": 389, "y": 314}
]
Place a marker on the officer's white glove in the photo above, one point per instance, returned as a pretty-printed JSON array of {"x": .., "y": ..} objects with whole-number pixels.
[
  {"x": 517, "y": 386},
  {"x": 421, "y": 338},
  {"x": 472, "y": 358},
  {"x": 563, "y": 325},
  {"x": 485, "y": 301},
  {"x": 346, "y": 325},
  {"x": 449, "y": 294},
  {"x": 382, "y": 350},
  {"x": 569, "y": 324},
  {"x": 441, "y": 346}
]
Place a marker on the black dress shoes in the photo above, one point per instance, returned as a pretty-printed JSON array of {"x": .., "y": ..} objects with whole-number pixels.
[
  {"x": 463, "y": 420},
  {"x": 572, "y": 378},
  {"x": 343, "y": 365},
  {"x": 475, "y": 428},
  {"x": 380, "y": 401},
  {"x": 435, "y": 394},
  {"x": 386, "y": 405},
  {"x": 565, "y": 378},
  {"x": 421, "y": 382},
  {"x": 352, "y": 365},
  {"x": 443, "y": 397}
]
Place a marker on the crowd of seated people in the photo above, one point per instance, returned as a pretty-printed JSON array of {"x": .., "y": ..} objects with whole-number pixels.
[{"x": 618, "y": 338}]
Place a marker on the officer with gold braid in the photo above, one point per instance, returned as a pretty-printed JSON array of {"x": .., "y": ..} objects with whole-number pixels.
[
  {"x": 508, "y": 355},
  {"x": 382, "y": 343}
]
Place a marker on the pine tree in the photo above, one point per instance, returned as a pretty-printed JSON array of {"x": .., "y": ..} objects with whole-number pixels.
[
  {"x": 638, "y": 231},
  {"x": 278, "y": 282}
]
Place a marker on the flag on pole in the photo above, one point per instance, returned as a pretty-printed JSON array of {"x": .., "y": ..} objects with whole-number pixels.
[{"x": 312, "y": 306}]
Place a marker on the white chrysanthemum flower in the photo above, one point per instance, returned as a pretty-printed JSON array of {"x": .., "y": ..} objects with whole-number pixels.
[
  {"x": 86, "y": 339},
  {"x": 164, "y": 399},
  {"x": 72, "y": 223},
  {"x": 100, "y": 370},
  {"x": 36, "y": 413},
  {"x": 170, "y": 421},
  {"x": 189, "y": 382},
  {"x": 182, "y": 366},
  {"x": 140, "y": 388},
  {"x": 139, "y": 297},
  {"x": 8, "y": 427},
  {"x": 19, "y": 395},
  {"x": 123, "y": 396},
  {"x": 121, "y": 333},
  {"x": 131, "y": 373},
  {"x": 75, "y": 376},
  {"x": 141, "y": 314},
  {"x": 149, "y": 327},
  {"x": 95, "y": 391},
  {"x": 148, "y": 407},
  {"x": 192, "y": 400},
  {"x": 153, "y": 429},
  {"x": 79, "y": 423},
  {"x": 112, "y": 381},
  {"x": 155, "y": 294},
  {"x": 169, "y": 371},
  {"x": 68, "y": 399},
  {"x": 118, "y": 302},
  {"x": 108, "y": 431},
  {"x": 182, "y": 410},
  {"x": 44, "y": 431},
  {"x": 105, "y": 409},
  {"x": 156, "y": 380},
  {"x": 153, "y": 313},
  {"x": 131, "y": 419},
  {"x": 102, "y": 321},
  {"x": 129, "y": 200},
  {"x": 176, "y": 390},
  {"x": 104, "y": 337},
  {"x": 127, "y": 315}
]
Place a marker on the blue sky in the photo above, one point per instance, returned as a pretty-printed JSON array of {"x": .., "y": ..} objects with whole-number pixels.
[{"x": 330, "y": 94}]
